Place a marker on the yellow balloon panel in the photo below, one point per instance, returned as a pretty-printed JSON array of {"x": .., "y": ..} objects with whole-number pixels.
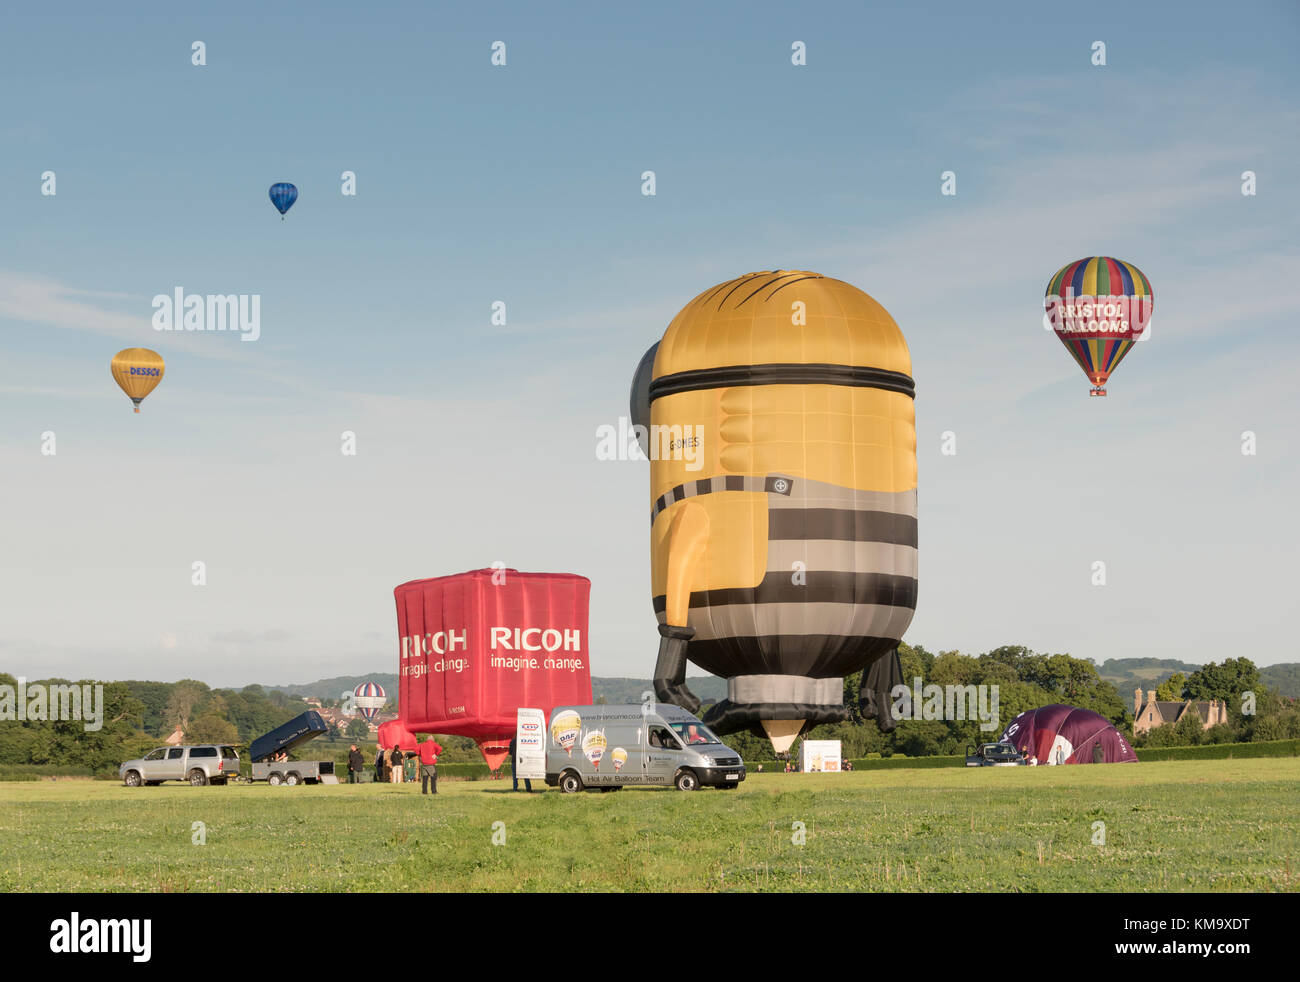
[{"x": 853, "y": 437}]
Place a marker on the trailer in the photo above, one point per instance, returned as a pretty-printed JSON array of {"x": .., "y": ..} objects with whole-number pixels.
[{"x": 284, "y": 739}]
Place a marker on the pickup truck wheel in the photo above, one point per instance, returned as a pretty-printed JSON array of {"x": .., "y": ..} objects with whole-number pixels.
[
  {"x": 686, "y": 780},
  {"x": 292, "y": 779},
  {"x": 197, "y": 778},
  {"x": 132, "y": 779},
  {"x": 275, "y": 779},
  {"x": 570, "y": 782}
]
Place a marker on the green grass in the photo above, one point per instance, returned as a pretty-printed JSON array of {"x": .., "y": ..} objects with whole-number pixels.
[{"x": 1177, "y": 825}]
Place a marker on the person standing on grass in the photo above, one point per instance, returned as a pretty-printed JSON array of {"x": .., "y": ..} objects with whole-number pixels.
[
  {"x": 355, "y": 765},
  {"x": 514, "y": 766},
  {"x": 1060, "y": 755},
  {"x": 395, "y": 764},
  {"x": 379, "y": 765},
  {"x": 409, "y": 766},
  {"x": 429, "y": 751}
]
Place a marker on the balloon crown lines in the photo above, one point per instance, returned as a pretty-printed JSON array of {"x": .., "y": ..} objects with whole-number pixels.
[{"x": 181, "y": 311}]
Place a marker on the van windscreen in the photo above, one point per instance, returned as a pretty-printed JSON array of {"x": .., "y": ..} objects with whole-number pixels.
[{"x": 694, "y": 733}]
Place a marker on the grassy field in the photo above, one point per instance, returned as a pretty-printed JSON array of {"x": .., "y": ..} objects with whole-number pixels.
[{"x": 1177, "y": 825}]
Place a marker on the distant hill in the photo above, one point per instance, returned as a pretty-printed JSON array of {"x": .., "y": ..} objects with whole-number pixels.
[
  {"x": 1285, "y": 678},
  {"x": 1127, "y": 674},
  {"x": 709, "y": 688},
  {"x": 335, "y": 687}
]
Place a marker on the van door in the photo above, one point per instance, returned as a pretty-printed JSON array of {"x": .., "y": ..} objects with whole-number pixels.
[{"x": 662, "y": 754}]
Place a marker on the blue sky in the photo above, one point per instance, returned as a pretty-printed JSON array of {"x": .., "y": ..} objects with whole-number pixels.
[{"x": 522, "y": 184}]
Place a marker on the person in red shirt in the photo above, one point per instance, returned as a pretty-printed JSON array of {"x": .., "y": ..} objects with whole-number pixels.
[{"x": 429, "y": 752}]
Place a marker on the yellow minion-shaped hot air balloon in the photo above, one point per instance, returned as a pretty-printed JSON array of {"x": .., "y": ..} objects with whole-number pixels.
[
  {"x": 782, "y": 438},
  {"x": 138, "y": 371}
]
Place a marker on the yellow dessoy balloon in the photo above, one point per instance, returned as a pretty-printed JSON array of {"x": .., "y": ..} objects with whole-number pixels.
[{"x": 138, "y": 371}]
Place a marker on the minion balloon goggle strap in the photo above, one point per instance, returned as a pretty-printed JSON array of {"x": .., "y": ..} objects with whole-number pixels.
[{"x": 794, "y": 373}]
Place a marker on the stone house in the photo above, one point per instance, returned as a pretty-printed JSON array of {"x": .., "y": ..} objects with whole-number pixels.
[{"x": 1153, "y": 712}]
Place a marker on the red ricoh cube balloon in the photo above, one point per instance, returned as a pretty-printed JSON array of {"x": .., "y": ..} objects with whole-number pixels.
[{"x": 476, "y": 646}]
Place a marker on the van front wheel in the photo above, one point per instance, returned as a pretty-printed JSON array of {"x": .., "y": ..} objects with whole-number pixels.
[
  {"x": 686, "y": 781},
  {"x": 570, "y": 783}
]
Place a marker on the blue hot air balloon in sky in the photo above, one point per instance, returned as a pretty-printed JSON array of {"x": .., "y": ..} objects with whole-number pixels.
[{"x": 283, "y": 196}]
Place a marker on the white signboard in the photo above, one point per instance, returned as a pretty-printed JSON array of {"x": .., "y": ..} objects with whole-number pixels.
[
  {"x": 530, "y": 744},
  {"x": 819, "y": 755}
]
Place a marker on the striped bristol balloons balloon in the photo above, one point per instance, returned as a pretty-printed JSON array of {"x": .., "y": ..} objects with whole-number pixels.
[
  {"x": 369, "y": 698},
  {"x": 1099, "y": 307},
  {"x": 782, "y": 438}
]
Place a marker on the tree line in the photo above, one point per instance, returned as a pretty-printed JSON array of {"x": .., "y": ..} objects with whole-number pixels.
[
  {"x": 138, "y": 715},
  {"x": 1027, "y": 680}
]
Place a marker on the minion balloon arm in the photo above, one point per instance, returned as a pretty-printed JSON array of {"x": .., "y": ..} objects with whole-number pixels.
[{"x": 687, "y": 538}]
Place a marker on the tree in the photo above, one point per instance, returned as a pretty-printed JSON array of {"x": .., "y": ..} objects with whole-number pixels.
[
  {"x": 358, "y": 729},
  {"x": 954, "y": 668},
  {"x": 153, "y": 696},
  {"x": 915, "y": 660},
  {"x": 1227, "y": 681},
  {"x": 68, "y": 742},
  {"x": 185, "y": 698},
  {"x": 211, "y": 728},
  {"x": 1172, "y": 689},
  {"x": 1276, "y": 718},
  {"x": 1190, "y": 729}
]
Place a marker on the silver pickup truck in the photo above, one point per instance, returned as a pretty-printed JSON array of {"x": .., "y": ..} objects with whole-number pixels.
[{"x": 206, "y": 763}]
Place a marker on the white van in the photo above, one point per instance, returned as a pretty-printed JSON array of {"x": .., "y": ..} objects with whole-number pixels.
[{"x": 658, "y": 744}]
